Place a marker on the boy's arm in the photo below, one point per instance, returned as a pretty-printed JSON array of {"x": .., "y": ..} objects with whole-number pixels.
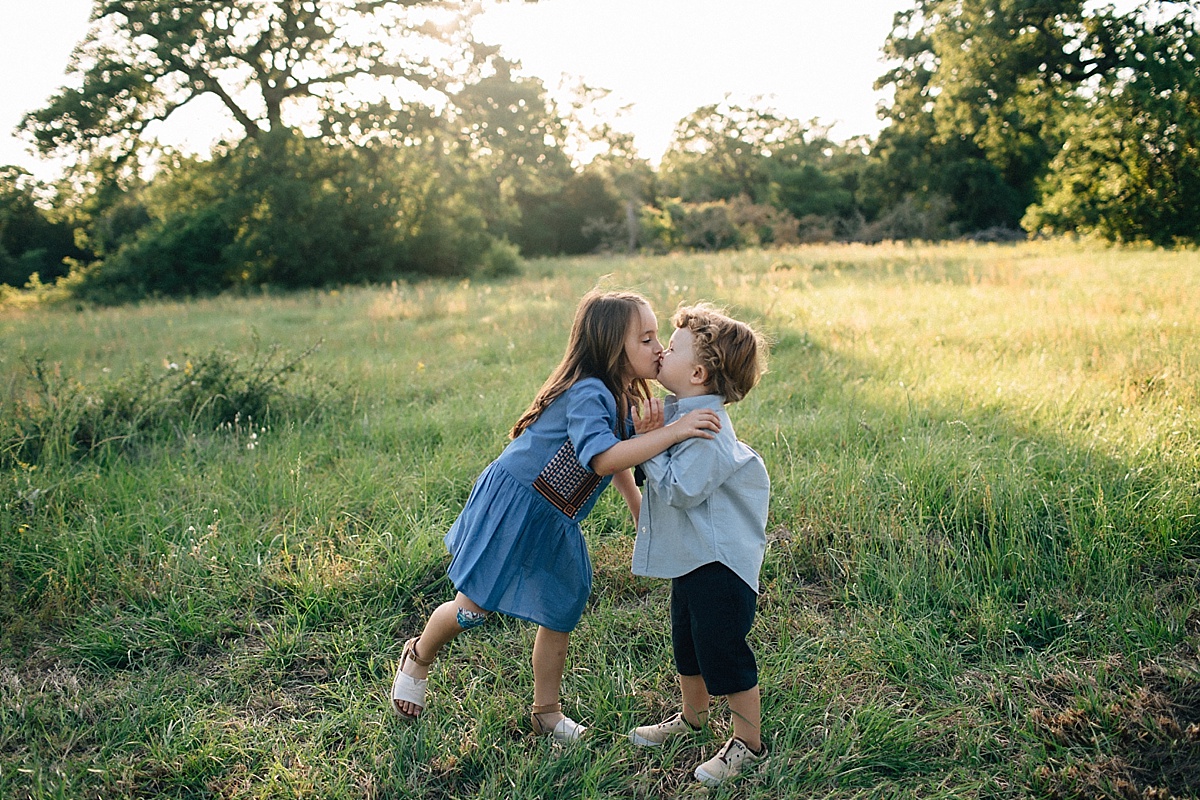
[
  {"x": 688, "y": 473},
  {"x": 625, "y": 484}
]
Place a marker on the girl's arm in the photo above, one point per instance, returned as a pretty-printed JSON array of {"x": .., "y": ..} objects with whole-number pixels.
[
  {"x": 703, "y": 422},
  {"x": 625, "y": 484}
]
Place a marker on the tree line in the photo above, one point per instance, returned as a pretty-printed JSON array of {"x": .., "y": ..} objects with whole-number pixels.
[{"x": 377, "y": 139}]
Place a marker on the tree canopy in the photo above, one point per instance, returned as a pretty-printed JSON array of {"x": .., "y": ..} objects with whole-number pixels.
[
  {"x": 984, "y": 91},
  {"x": 143, "y": 60}
]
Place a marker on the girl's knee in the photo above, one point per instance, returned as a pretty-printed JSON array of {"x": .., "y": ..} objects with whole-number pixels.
[
  {"x": 468, "y": 619},
  {"x": 468, "y": 613}
]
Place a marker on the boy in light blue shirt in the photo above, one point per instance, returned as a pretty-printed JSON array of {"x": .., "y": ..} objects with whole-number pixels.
[{"x": 703, "y": 525}]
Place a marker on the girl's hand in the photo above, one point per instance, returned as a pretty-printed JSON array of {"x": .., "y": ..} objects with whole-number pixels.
[
  {"x": 649, "y": 416},
  {"x": 703, "y": 423}
]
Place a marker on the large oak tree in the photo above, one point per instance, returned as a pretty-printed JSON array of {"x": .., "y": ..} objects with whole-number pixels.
[
  {"x": 339, "y": 166},
  {"x": 982, "y": 89},
  {"x": 144, "y": 60}
]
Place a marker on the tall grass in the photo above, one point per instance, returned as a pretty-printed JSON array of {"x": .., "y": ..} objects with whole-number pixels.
[{"x": 982, "y": 580}]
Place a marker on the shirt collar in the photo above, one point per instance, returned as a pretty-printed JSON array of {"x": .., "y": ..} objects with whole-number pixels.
[{"x": 682, "y": 405}]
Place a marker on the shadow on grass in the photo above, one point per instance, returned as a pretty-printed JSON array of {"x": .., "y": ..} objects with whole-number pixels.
[{"x": 944, "y": 566}]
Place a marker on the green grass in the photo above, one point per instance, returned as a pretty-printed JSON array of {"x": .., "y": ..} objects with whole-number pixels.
[{"x": 983, "y": 579}]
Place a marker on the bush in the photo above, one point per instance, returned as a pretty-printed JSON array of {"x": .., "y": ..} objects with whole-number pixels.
[
  {"x": 717, "y": 225},
  {"x": 61, "y": 418},
  {"x": 287, "y": 212},
  {"x": 502, "y": 260},
  {"x": 912, "y": 218}
]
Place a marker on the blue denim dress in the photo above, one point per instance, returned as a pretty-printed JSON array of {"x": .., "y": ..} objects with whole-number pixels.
[{"x": 517, "y": 547}]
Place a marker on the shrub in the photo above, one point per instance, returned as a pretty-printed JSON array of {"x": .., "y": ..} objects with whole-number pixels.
[
  {"x": 502, "y": 260},
  {"x": 61, "y": 418}
]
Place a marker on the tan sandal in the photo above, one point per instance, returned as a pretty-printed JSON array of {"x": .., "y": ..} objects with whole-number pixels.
[
  {"x": 406, "y": 688},
  {"x": 564, "y": 731}
]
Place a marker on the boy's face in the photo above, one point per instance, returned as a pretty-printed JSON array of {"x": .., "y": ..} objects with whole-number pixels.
[{"x": 679, "y": 373}]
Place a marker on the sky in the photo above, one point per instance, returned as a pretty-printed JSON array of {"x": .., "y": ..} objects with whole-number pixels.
[{"x": 663, "y": 58}]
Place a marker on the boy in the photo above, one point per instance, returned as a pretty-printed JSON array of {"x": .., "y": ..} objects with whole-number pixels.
[{"x": 703, "y": 525}]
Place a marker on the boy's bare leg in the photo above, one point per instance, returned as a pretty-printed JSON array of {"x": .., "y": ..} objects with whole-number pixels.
[
  {"x": 695, "y": 700},
  {"x": 746, "y": 708}
]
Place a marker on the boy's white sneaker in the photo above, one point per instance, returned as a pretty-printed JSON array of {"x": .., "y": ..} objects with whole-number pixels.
[
  {"x": 729, "y": 762},
  {"x": 655, "y": 735}
]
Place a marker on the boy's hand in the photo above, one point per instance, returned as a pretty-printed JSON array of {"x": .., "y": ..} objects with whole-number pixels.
[
  {"x": 703, "y": 423},
  {"x": 648, "y": 416}
]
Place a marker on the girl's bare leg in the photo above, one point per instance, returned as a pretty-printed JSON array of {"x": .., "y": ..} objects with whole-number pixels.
[
  {"x": 441, "y": 628},
  {"x": 549, "y": 660}
]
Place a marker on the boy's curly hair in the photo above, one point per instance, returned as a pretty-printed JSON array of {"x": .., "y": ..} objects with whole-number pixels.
[{"x": 733, "y": 353}]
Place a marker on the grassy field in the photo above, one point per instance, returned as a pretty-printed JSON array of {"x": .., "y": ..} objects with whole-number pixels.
[{"x": 220, "y": 519}]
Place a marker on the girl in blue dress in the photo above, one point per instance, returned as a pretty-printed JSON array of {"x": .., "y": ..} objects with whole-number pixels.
[{"x": 517, "y": 547}]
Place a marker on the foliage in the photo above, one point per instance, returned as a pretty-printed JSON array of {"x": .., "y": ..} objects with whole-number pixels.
[
  {"x": 760, "y": 163},
  {"x": 366, "y": 192},
  {"x": 720, "y": 151},
  {"x": 987, "y": 103},
  {"x": 265, "y": 61},
  {"x": 58, "y": 418},
  {"x": 510, "y": 139},
  {"x": 291, "y": 212},
  {"x": 1129, "y": 168},
  {"x": 718, "y": 225},
  {"x": 32, "y": 240},
  {"x": 914, "y": 218},
  {"x": 578, "y": 218},
  {"x": 724, "y": 151},
  {"x": 1063, "y": 116}
]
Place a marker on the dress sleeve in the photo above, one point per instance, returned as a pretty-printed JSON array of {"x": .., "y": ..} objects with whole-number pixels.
[{"x": 591, "y": 419}]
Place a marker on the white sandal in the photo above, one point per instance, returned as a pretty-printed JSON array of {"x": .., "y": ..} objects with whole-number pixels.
[
  {"x": 566, "y": 730},
  {"x": 406, "y": 688}
]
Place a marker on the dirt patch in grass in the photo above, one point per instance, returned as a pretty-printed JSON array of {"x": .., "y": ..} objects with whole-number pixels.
[{"x": 1134, "y": 740}]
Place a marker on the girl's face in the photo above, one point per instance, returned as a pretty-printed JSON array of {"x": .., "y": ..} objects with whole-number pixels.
[{"x": 642, "y": 347}]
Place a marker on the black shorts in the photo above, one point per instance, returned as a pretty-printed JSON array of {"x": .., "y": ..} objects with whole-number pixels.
[{"x": 712, "y": 610}]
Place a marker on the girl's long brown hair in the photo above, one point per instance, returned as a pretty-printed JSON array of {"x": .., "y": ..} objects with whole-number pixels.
[{"x": 595, "y": 349}]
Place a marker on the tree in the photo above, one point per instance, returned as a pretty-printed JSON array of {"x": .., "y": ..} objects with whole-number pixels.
[
  {"x": 754, "y": 155},
  {"x": 143, "y": 60},
  {"x": 579, "y": 217},
  {"x": 32, "y": 240},
  {"x": 631, "y": 182},
  {"x": 334, "y": 173},
  {"x": 1129, "y": 167},
  {"x": 812, "y": 176},
  {"x": 720, "y": 151},
  {"x": 510, "y": 139},
  {"x": 982, "y": 88}
]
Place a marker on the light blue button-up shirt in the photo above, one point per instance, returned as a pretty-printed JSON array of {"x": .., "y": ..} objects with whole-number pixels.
[{"x": 704, "y": 500}]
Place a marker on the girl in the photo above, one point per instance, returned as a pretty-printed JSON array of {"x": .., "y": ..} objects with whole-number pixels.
[{"x": 516, "y": 547}]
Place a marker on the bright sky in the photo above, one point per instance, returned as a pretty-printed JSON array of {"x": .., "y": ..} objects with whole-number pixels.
[{"x": 664, "y": 57}]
